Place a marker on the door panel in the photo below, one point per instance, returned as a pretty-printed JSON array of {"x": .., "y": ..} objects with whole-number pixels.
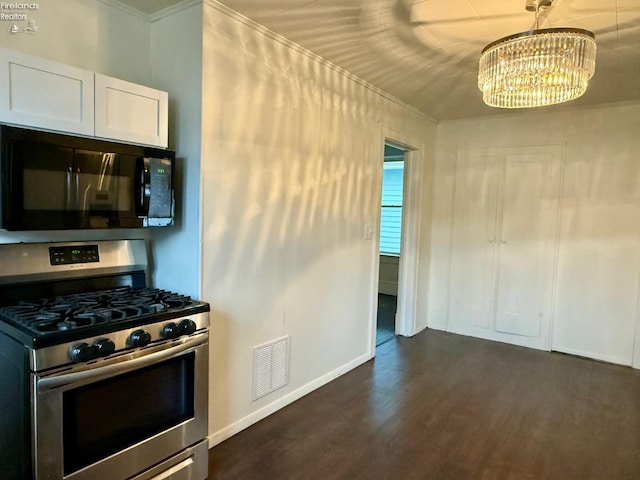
[
  {"x": 130, "y": 112},
  {"x": 527, "y": 221},
  {"x": 475, "y": 242},
  {"x": 45, "y": 94}
]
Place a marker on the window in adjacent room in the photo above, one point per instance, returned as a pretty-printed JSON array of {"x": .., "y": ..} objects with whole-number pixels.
[{"x": 392, "y": 186}]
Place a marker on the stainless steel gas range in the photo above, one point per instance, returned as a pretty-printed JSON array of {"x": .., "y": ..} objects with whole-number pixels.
[{"x": 102, "y": 377}]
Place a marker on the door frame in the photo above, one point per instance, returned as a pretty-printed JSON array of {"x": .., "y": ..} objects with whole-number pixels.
[{"x": 406, "y": 322}]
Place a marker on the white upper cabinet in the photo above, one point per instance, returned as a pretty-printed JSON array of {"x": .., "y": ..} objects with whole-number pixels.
[
  {"x": 130, "y": 112},
  {"x": 43, "y": 94}
]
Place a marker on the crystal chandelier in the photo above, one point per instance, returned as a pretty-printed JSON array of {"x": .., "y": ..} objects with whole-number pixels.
[{"x": 538, "y": 67}]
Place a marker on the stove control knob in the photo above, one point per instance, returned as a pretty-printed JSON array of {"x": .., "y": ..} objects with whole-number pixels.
[
  {"x": 82, "y": 352},
  {"x": 187, "y": 326},
  {"x": 104, "y": 347},
  {"x": 171, "y": 330},
  {"x": 139, "y": 338}
]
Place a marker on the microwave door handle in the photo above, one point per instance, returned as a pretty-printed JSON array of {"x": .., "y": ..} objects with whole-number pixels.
[
  {"x": 69, "y": 196},
  {"x": 144, "y": 187},
  {"x": 77, "y": 190},
  {"x": 146, "y": 182}
]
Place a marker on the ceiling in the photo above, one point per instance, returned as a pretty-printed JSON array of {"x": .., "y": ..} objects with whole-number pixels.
[{"x": 425, "y": 52}]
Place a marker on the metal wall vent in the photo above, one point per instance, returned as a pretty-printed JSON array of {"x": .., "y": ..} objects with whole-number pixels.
[{"x": 270, "y": 366}]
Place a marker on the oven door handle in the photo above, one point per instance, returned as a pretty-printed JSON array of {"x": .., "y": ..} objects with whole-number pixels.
[{"x": 95, "y": 374}]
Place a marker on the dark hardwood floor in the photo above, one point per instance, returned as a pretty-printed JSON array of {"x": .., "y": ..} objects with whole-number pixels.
[
  {"x": 443, "y": 406},
  {"x": 386, "y": 318}
]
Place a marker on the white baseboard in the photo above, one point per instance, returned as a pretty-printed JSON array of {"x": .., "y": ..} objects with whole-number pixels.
[
  {"x": 594, "y": 356},
  {"x": 254, "y": 417},
  {"x": 442, "y": 327}
]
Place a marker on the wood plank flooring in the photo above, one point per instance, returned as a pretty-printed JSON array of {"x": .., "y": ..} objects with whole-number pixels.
[
  {"x": 443, "y": 406},
  {"x": 386, "y": 318}
]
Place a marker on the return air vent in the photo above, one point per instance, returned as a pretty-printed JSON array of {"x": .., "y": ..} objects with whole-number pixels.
[{"x": 270, "y": 366}]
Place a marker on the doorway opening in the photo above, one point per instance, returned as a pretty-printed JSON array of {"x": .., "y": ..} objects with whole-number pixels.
[
  {"x": 390, "y": 241},
  {"x": 406, "y": 320}
]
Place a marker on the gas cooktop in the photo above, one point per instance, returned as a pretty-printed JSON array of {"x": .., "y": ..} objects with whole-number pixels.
[
  {"x": 56, "y": 293},
  {"x": 71, "y": 312},
  {"x": 48, "y": 321}
]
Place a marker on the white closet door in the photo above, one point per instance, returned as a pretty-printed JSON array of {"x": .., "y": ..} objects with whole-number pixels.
[
  {"x": 527, "y": 243},
  {"x": 505, "y": 244},
  {"x": 474, "y": 243}
]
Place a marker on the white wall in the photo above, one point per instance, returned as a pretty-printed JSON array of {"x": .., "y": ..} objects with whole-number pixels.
[
  {"x": 176, "y": 56},
  {"x": 596, "y": 291},
  {"x": 291, "y": 164},
  {"x": 93, "y": 36}
]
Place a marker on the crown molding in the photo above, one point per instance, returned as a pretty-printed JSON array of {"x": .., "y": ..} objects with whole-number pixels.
[
  {"x": 154, "y": 17},
  {"x": 125, "y": 8},
  {"x": 303, "y": 51},
  {"x": 173, "y": 9}
]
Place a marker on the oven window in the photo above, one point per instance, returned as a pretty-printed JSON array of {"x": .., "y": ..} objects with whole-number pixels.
[{"x": 107, "y": 416}]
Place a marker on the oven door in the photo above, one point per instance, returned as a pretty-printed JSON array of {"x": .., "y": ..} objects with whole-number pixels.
[{"x": 120, "y": 417}]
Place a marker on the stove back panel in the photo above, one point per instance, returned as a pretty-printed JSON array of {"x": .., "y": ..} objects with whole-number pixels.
[
  {"x": 24, "y": 263},
  {"x": 12, "y": 294}
]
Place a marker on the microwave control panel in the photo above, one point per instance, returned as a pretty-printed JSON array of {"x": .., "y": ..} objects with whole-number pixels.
[{"x": 160, "y": 200}]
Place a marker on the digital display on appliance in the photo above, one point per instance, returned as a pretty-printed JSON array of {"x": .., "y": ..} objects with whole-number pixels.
[{"x": 77, "y": 254}]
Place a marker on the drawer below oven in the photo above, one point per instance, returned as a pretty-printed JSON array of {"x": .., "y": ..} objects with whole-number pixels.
[{"x": 190, "y": 464}]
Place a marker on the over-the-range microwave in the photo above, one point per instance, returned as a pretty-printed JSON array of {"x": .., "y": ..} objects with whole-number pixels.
[{"x": 61, "y": 182}]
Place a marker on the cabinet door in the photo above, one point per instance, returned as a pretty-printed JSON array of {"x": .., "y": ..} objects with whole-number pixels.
[
  {"x": 474, "y": 243},
  {"x": 40, "y": 93},
  {"x": 130, "y": 112},
  {"x": 527, "y": 243}
]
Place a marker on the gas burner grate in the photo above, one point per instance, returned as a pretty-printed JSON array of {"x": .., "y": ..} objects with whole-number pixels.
[{"x": 75, "y": 311}]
